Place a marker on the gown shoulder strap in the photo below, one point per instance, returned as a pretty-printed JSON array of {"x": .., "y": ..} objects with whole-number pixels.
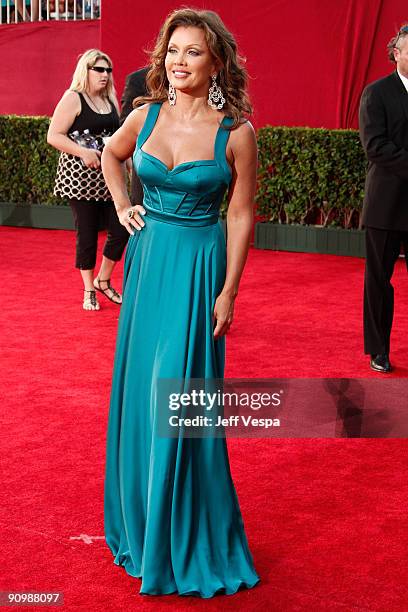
[
  {"x": 149, "y": 123},
  {"x": 221, "y": 141}
]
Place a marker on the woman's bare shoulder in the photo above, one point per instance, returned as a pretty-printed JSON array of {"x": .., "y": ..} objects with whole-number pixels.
[
  {"x": 69, "y": 106},
  {"x": 243, "y": 136},
  {"x": 70, "y": 99},
  {"x": 245, "y": 130},
  {"x": 71, "y": 94}
]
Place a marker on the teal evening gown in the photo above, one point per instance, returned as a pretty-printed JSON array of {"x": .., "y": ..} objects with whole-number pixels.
[{"x": 172, "y": 516}]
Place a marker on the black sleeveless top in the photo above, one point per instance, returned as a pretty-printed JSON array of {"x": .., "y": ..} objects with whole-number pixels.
[
  {"x": 74, "y": 180},
  {"x": 95, "y": 122}
]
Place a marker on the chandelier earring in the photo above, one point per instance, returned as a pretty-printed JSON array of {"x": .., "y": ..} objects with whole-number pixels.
[
  {"x": 172, "y": 96},
  {"x": 215, "y": 97}
]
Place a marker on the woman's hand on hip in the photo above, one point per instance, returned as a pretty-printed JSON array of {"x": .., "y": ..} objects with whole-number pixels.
[
  {"x": 134, "y": 220},
  {"x": 91, "y": 158},
  {"x": 223, "y": 314}
]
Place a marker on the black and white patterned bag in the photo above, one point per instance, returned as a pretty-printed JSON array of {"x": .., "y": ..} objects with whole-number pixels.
[{"x": 75, "y": 181}]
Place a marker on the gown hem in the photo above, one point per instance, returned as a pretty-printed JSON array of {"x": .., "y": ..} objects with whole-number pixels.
[{"x": 222, "y": 589}]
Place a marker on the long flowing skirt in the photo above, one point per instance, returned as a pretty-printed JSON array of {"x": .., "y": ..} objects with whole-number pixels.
[{"x": 172, "y": 516}]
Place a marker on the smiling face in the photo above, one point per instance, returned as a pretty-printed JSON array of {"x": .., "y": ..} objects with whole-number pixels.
[
  {"x": 189, "y": 63},
  {"x": 97, "y": 81}
]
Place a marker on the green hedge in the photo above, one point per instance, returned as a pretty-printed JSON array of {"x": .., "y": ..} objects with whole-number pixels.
[
  {"x": 27, "y": 162},
  {"x": 310, "y": 176},
  {"x": 306, "y": 175}
]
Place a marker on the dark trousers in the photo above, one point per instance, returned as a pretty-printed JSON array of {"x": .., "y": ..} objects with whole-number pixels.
[
  {"x": 382, "y": 250},
  {"x": 90, "y": 217}
]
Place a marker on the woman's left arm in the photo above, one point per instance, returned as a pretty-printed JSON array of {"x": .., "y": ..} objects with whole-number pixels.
[{"x": 240, "y": 218}]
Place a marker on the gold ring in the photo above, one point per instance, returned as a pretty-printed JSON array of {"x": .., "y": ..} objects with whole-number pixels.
[{"x": 131, "y": 213}]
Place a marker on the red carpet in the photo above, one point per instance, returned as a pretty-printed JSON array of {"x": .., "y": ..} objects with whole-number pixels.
[{"x": 326, "y": 519}]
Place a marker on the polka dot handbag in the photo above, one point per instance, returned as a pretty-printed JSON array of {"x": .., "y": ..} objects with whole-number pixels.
[{"x": 75, "y": 181}]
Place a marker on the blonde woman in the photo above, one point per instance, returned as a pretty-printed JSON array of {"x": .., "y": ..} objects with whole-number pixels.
[
  {"x": 89, "y": 104},
  {"x": 172, "y": 516}
]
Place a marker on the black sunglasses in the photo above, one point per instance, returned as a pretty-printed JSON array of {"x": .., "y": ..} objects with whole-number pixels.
[{"x": 100, "y": 69}]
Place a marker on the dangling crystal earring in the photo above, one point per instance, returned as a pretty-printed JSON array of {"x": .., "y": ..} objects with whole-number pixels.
[
  {"x": 215, "y": 98},
  {"x": 172, "y": 95}
]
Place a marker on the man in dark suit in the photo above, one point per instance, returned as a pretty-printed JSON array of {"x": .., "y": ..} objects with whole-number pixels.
[
  {"x": 384, "y": 135},
  {"x": 135, "y": 86}
]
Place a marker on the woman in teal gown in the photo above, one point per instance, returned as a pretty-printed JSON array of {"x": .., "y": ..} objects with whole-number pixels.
[{"x": 172, "y": 516}]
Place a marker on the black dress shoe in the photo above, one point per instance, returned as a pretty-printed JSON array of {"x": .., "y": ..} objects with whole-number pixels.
[{"x": 380, "y": 363}]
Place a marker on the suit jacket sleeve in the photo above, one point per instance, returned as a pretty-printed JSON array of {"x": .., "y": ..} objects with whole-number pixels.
[
  {"x": 135, "y": 86},
  {"x": 127, "y": 99},
  {"x": 379, "y": 148}
]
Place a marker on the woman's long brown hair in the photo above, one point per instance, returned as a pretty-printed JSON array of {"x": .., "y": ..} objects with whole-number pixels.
[{"x": 232, "y": 78}]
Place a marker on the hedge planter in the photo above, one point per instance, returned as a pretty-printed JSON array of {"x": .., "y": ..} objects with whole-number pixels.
[
  {"x": 310, "y": 239},
  {"x": 36, "y": 215},
  {"x": 305, "y": 175}
]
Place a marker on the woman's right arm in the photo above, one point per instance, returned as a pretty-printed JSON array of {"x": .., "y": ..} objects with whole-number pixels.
[
  {"x": 67, "y": 109},
  {"x": 118, "y": 149}
]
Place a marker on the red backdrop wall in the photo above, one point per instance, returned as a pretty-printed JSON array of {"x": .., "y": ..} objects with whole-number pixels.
[
  {"x": 308, "y": 60},
  {"x": 37, "y": 63}
]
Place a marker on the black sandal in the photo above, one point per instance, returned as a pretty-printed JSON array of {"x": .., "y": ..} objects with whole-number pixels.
[
  {"x": 109, "y": 287},
  {"x": 90, "y": 300}
]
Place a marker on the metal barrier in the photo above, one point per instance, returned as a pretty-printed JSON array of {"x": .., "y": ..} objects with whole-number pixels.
[{"x": 18, "y": 11}]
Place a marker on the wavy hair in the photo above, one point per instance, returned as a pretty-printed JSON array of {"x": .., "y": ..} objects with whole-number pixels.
[
  {"x": 232, "y": 77},
  {"x": 80, "y": 77},
  {"x": 395, "y": 42}
]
